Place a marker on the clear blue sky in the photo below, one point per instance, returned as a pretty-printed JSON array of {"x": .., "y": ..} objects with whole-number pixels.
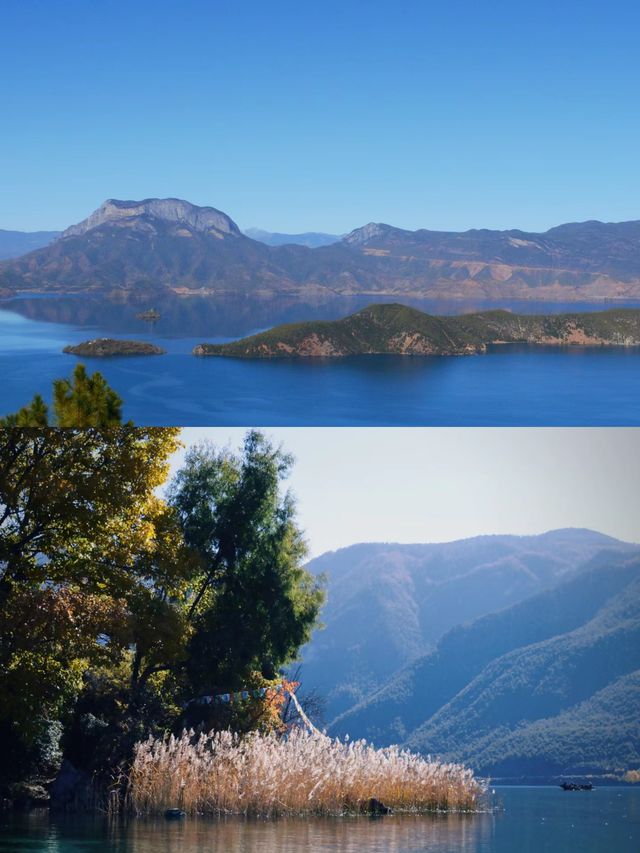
[
  {"x": 436, "y": 485},
  {"x": 322, "y": 115}
]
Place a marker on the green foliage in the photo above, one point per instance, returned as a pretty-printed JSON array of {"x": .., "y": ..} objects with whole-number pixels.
[
  {"x": 86, "y": 401},
  {"x": 79, "y": 533},
  {"x": 116, "y": 606},
  {"x": 81, "y": 402},
  {"x": 253, "y": 605},
  {"x": 36, "y": 414},
  {"x": 395, "y": 328}
]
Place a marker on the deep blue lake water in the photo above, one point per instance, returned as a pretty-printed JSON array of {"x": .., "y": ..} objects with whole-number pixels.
[
  {"x": 533, "y": 820},
  {"x": 511, "y": 385}
]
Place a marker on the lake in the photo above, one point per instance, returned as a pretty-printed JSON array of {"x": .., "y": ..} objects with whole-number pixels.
[
  {"x": 531, "y": 820},
  {"x": 510, "y": 385}
]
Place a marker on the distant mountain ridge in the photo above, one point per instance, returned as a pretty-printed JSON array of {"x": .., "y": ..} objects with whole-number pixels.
[
  {"x": 127, "y": 247},
  {"x": 311, "y": 239},
  {"x": 531, "y": 665},
  {"x": 388, "y": 603},
  {"x": 16, "y": 243},
  {"x": 574, "y": 245}
]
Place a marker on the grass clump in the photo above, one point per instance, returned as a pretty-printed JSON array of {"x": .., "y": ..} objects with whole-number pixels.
[{"x": 303, "y": 773}]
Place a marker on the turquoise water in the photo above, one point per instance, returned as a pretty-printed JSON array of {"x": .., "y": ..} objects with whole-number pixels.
[
  {"x": 509, "y": 386},
  {"x": 532, "y": 820}
]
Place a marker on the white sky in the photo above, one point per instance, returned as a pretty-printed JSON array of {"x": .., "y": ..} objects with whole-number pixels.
[{"x": 434, "y": 485}]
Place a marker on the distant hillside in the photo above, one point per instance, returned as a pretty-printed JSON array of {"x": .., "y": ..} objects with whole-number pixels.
[
  {"x": 389, "y": 603},
  {"x": 312, "y": 239},
  {"x": 612, "y": 248},
  {"x": 127, "y": 247},
  {"x": 16, "y": 243},
  {"x": 390, "y": 329},
  {"x": 547, "y": 686}
]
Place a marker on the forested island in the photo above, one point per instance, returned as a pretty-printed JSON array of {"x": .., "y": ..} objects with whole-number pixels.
[
  {"x": 105, "y": 347},
  {"x": 394, "y": 329}
]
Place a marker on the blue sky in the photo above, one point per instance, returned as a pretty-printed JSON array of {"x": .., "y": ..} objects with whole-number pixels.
[
  {"x": 322, "y": 115},
  {"x": 436, "y": 485}
]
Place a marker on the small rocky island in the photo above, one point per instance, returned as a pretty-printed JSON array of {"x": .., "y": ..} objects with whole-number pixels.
[
  {"x": 104, "y": 347},
  {"x": 150, "y": 316},
  {"x": 392, "y": 329}
]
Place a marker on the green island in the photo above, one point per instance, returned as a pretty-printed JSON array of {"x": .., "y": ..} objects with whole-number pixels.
[
  {"x": 105, "y": 347},
  {"x": 394, "y": 329}
]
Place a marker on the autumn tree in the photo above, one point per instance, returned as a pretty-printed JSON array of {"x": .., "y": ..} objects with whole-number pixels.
[
  {"x": 81, "y": 535},
  {"x": 118, "y": 606}
]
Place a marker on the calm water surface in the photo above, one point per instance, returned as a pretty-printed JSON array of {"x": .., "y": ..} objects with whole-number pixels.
[
  {"x": 534, "y": 820},
  {"x": 515, "y": 385}
]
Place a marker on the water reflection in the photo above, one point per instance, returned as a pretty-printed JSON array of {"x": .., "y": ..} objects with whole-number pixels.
[
  {"x": 529, "y": 820},
  {"x": 236, "y": 316},
  {"x": 515, "y": 385},
  {"x": 397, "y": 834}
]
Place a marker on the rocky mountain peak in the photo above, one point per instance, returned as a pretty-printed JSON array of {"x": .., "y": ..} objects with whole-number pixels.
[
  {"x": 369, "y": 232},
  {"x": 171, "y": 210}
]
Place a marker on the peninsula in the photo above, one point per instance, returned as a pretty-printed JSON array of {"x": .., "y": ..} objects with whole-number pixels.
[
  {"x": 104, "y": 347},
  {"x": 394, "y": 329}
]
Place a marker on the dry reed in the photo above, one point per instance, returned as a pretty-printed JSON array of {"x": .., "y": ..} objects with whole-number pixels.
[{"x": 303, "y": 773}]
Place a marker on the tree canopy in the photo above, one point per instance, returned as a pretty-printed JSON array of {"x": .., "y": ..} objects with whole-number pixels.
[
  {"x": 119, "y": 606},
  {"x": 253, "y": 604},
  {"x": 79, "y": 532}
]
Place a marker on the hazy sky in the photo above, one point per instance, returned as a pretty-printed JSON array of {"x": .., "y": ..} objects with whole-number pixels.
[
  {"x": 434, "y": 485},
  {"x": 322, "y": 115}
]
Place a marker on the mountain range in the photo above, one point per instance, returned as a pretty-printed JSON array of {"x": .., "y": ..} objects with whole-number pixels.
[
  {"x": 517, "y": 655},
  {"x": 159, "y": 245}
]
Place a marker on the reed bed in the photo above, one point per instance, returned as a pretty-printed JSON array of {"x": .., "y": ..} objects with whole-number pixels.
[{"x": 302, "y": 773}]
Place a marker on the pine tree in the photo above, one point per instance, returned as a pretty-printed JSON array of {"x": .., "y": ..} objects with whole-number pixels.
[{"x": 83, "y": 401}]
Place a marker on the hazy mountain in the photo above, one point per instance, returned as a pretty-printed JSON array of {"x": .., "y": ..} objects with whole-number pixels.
[
  {"x": 389, "y": 603},
  {"x": 612, "y": 247},
  {"x": 546, "y": 686},
  {"x": 158, "y": 244},
  {"x": 16, "y": 243},
  {"x": 312, "y": 239}
]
